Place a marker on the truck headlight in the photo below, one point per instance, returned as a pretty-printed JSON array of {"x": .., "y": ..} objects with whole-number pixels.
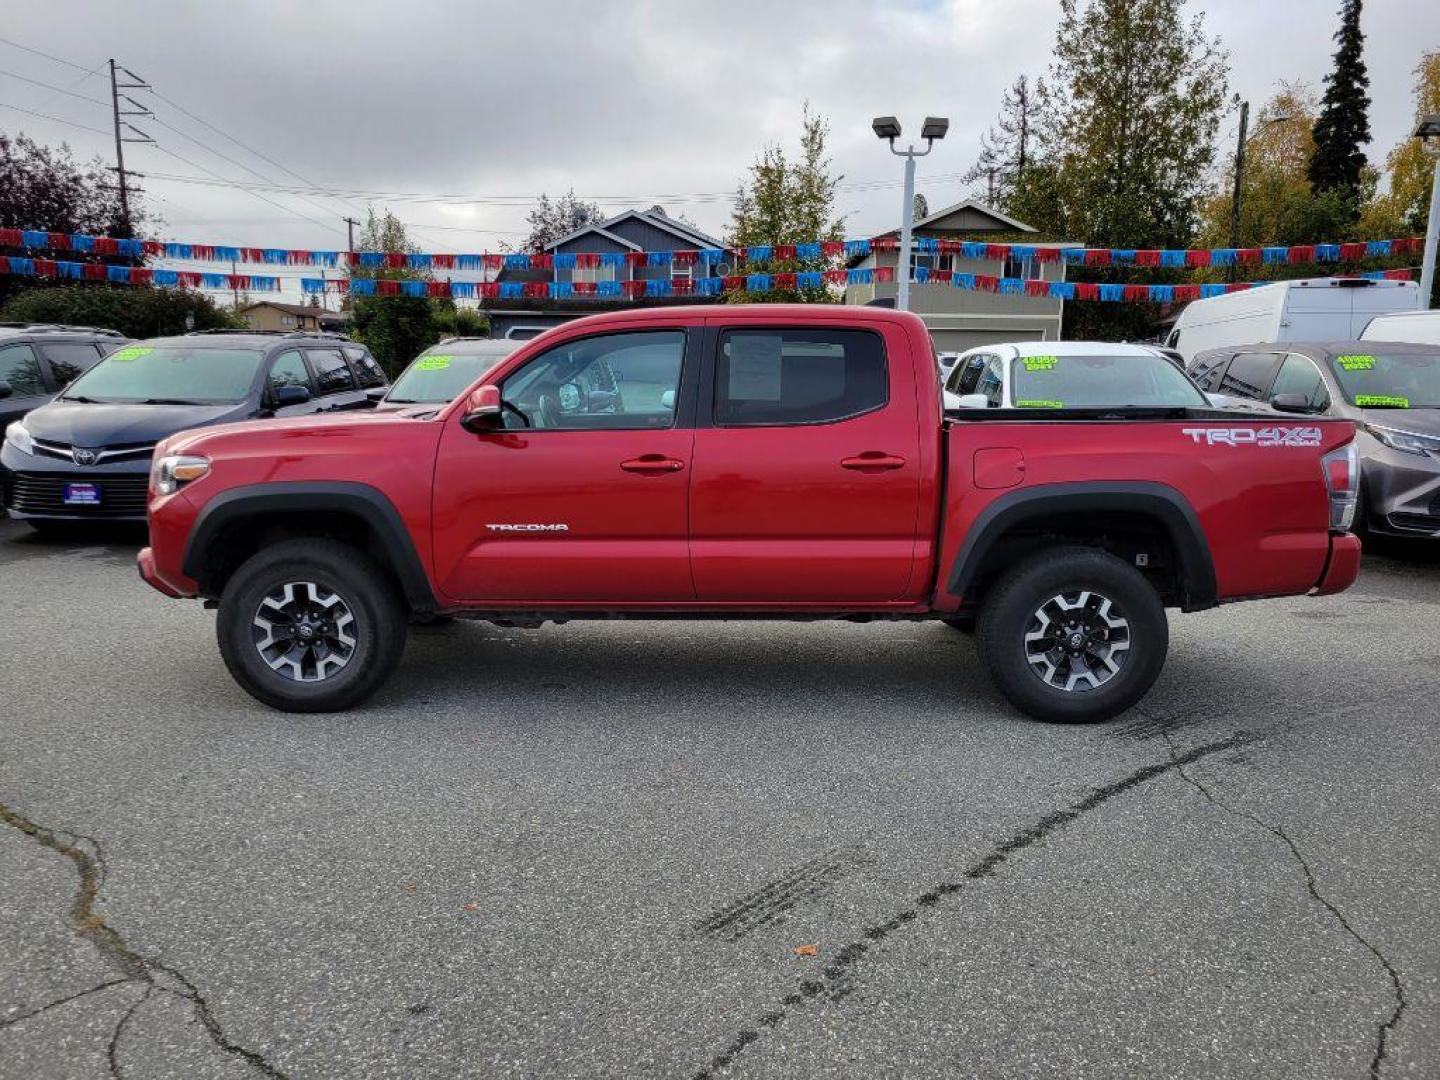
[
  {"x": 175, "y": 471},
  {"x": 19, "y": 437},
  {"x": 1405, "y": 441}
]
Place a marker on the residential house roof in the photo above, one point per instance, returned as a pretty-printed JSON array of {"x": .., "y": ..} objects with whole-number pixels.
[{"x": 655, "y": 217}]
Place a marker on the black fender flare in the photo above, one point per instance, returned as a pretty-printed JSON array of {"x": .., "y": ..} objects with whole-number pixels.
[
  {"x": 363, "y": 501},
  {"x": 1166, "y": 505}
]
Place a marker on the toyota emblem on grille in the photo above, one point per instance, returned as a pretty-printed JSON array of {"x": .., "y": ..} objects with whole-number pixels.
[{"x": 83, "y": 457}]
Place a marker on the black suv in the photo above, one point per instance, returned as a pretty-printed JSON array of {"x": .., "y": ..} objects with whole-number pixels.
[
  {"x": 86, "y": 455},
  {"x": 38, "y": 360}
]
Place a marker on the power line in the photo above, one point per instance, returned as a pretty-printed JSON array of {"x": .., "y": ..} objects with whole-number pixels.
[
  {"x": 56, "y": 119},
  {"x": 57, "y": 89},
  {"x": 47, "y": 56}
]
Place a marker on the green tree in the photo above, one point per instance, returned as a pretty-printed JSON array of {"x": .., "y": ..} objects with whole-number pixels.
[
  {"x": 452, "y": 320},
  {"x": 1130, "y": 115},
  {"x": 788, "y": 201},
  {"x": 1007, "y": 149},
  {"x": 1403, "y": 209},
  {"x": 550, "y": 220},
  {"x": 135, "y": 311},
  {"x": 396, "y": 328},
  {"x": 1343, "y": 126}
]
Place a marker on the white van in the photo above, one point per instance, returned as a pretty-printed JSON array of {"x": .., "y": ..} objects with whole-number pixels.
[
  {"x": 1421, "y": 327},
  {"x": 1310, "y": 309}
]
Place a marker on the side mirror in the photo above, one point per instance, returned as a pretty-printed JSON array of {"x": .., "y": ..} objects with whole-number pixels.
[
  {"x": 5, "y": 389},
  {"x": 1296, "y": 403},
  {"x": 972, "y": 401},
  {"x": 482, "y": 410},
  {"x": 290, "y": 395}
]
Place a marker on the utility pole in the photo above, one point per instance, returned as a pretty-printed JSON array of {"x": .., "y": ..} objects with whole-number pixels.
[
  {"x": 136, "y": 136},
  {"x": 350, "y": 224},
  {"x": 1239, "y": 173}
]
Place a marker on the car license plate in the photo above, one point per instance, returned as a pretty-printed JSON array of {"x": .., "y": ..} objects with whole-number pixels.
[{"x": 81, "y": 495}]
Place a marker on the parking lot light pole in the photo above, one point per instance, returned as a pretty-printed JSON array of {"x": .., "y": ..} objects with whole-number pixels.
[
  {"x": 1428, "y": 132},
  {"x": 888, "y": 128}
]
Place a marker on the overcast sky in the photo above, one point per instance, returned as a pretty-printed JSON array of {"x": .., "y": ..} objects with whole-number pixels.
[{"x": 633, "y": 103}]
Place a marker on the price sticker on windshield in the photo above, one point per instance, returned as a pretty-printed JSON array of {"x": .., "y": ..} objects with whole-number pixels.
[
  {"x": 433, "y": 363},
  {"x": 132, "y": 353},
  {"x": 1039, "y": 363},
  {"x": 1382, "y": 401},
  {"x": 1356, "y": 362},
  {"x": 1039, "y": 403}
]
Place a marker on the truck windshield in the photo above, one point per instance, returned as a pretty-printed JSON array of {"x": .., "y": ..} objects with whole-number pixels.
[
  {"x": 436, "y": 379},
  {"x": 169, "y": 374},
  {"x": 1101, "y": 382},
  {"x": 1379, "y": 380}
]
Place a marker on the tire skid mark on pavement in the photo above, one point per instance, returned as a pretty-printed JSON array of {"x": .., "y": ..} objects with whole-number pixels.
[
  {"x": 838, "y": 979},
  {"x": 1384, "y": 1029},
  {"x": 132, "y": 966},
  {"x": 769, "y": 903}
]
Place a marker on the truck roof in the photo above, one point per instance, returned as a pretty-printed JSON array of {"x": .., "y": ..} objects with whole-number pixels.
[{"x": 750, "y": 313}]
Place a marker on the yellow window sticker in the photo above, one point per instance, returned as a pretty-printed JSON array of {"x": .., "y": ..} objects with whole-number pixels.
[
  {"x": 434, "y": 363},
  {"x": 1356, "y": 362},
  {"x": 134, "y": 352},
  {"x": 1382, "y": 401},
  {"x": 1039, "y": 363},
  {"x": 1038, "y": 403}
]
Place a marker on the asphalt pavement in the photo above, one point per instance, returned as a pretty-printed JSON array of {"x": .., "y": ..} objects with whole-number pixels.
[{"x": 669, "y": 849}]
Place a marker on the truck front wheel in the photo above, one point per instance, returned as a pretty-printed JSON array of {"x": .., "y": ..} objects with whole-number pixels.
[
  {"x": 310, "y": 626},
  {"x": 1073, "y": 635}
]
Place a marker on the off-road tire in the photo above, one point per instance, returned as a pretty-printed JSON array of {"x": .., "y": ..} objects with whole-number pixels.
[
  {"x": 1017, "y": 606},
  {"x": 369, "y": 596}
]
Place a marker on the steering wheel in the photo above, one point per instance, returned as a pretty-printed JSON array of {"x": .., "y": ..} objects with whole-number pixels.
[{"x": 549, "y": 412}]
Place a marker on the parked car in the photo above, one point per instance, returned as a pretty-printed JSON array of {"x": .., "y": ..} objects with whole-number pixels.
[
  {"x": 1070, "y": 374},
  {"x": 1389, "y": 390},
  {"x": 39, "y": 360},
  {"x": 524, "y": 333},
  {"x": 755, "y": 460},
  {"x": 444, "y": 370},
  {"x": 1421, "y": 327},
  {"x": 86, "y": 455},
  {"x": 1307, "y": 309}
]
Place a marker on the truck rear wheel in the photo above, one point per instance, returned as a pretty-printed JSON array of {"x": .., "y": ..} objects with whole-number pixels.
[
  {"x": 310, "y": 626},
  {"x": 1073, "y": 635}
]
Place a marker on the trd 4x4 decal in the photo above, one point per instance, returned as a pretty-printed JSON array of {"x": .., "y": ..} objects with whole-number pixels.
[{"x": 1249, "y": 436}]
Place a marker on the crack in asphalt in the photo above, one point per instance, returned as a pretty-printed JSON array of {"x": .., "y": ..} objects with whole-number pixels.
[
  {"x": 1382, "y": 1039},
  {"x": 132, "y": 965},
  {"x": 838, "y": 980}
]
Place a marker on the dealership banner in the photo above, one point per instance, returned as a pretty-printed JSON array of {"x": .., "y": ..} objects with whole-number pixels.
[{"x": 816, "y": 251}]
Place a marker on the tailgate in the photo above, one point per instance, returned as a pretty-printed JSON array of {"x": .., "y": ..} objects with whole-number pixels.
[{"x": 1255, "y": 485}]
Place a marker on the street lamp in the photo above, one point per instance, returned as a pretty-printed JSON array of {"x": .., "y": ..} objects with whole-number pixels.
[
  {"x": 888, "y": 128},
  {"x": 1428, "y": 132}
]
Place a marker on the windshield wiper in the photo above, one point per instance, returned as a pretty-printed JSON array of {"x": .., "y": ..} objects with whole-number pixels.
[{"x": 166, "y": 401}]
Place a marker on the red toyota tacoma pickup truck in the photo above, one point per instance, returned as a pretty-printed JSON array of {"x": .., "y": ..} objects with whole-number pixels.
[{"x": 744, "y": 461}]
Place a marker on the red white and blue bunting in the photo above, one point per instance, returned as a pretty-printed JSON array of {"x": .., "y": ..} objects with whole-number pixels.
[
  {"x": 134, "y": 275},
  {"x": 1177, "y": 258}
]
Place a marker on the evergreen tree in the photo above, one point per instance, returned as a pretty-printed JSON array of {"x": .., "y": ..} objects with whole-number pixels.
[
  {"x": 1006, "y": 150},
  {"x": 396, "y": 328},
  {"x": 550, "y": 220},
  {"x": 1343, "y": 126},
  {"x": 1130, "y": 114}
]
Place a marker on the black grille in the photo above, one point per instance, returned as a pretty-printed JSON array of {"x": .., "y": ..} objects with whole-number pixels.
[
  {"x": 44, "y": 493},
  {"x": 1419, "y": 522}
]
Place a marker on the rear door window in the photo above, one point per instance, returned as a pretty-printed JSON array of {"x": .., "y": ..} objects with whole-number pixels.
[
  {"x": 332, "y": 374},
  {"x": 1250, "y": 375},
  {"x": 798, "y": 376}
]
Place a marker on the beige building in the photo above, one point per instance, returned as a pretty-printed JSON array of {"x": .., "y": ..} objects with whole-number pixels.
[
  {"x": 959, "y": 319},
  {"x": 290, "y": 318}
]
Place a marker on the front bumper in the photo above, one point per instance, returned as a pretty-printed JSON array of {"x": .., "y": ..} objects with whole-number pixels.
[
  {"x": 35, "y": 488},
  {"x": 1402, "y": 491}
]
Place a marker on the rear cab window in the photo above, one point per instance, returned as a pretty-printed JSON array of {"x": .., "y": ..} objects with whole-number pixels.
[{"x": 788, "y": 376}]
